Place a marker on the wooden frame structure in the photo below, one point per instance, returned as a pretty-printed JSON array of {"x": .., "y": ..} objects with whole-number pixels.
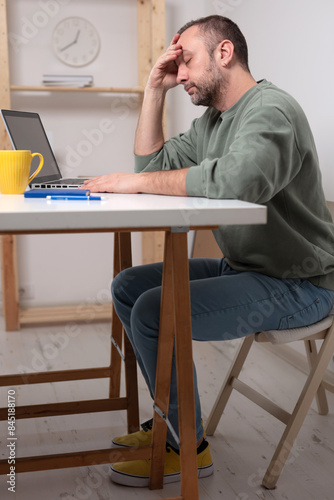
[
  {"x": 122, "y": 260},
  {"x": 151, "y": 43}
]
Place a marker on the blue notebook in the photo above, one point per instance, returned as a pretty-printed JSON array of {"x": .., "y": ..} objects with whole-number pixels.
[{"x": 43, "y": 193}]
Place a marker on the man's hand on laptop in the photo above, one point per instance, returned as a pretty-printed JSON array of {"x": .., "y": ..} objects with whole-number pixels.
[
  {"x": 119, "y": 182},
  {"x": 168, "y": 182}
]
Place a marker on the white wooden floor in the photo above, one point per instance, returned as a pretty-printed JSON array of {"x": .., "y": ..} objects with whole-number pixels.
[{"x": 241, "y": 447}]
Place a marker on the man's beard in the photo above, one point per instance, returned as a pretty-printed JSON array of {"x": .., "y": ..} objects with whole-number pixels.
[{"x": 210, "y": 89}]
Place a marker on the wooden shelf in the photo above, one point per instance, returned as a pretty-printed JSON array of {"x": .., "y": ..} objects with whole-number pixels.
[
  {"x": 44, "y": 88},
  {"x": 91, "y": 312}
]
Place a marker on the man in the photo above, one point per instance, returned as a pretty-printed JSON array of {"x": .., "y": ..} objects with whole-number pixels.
[{"x": 253, "y": 143}]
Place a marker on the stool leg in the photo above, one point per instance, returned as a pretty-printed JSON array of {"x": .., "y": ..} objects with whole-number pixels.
[
  {"x": 321, "y": 398},
  {"x": 226, "y": 389},
  {"x": 311, "y": 386}
]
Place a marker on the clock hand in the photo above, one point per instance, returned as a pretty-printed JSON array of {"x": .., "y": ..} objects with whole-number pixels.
[
  {"x": 68, "y": 46},
  {"x": 72, "y": 43}
]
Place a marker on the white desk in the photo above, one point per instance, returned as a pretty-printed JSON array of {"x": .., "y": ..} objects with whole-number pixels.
[
  {"x": 122, "y": 214},
  {"x": 139, "y": 212}
]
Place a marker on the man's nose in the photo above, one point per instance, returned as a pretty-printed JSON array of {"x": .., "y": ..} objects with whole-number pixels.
[{"x": 182, "y": 75}]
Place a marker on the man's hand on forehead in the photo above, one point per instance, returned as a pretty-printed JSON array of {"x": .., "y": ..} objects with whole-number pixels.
[
  {"x": 164, "y": 72},
  {"x": 175, "y": 45}
]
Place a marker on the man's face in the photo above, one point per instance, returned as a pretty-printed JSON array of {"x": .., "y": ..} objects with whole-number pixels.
[{"x": 199, "y": 72}]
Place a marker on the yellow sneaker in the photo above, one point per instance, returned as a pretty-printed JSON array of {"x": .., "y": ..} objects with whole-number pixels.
[
  {"x": 137, "y": 472},
  {"x": 139, "y": 438}
]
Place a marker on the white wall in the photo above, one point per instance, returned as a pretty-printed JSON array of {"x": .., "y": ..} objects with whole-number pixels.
[{"x": 290, "y": 44}]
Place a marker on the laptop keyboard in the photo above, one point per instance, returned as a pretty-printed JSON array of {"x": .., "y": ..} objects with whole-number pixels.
[
  {"x": 68, "y": 181},
  {"x": 60, "y": 183}
]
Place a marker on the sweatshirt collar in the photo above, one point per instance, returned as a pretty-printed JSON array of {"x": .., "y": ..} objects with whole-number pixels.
[{"x": 249, "y": 93}]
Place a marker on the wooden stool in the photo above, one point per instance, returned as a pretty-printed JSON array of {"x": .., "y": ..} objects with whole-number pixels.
[{"x": 318, "y": 362}]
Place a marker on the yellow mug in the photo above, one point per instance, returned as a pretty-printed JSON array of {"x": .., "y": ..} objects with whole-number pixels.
[{"x": 15, "y": 169}]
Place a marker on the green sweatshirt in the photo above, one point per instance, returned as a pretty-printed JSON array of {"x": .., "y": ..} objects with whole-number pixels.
[{"x": 260, "y": 150}]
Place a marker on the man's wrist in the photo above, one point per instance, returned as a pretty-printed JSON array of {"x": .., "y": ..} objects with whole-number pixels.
[
  {"x": 155, "y": 93},
  {"x": 166, "y": 182}
]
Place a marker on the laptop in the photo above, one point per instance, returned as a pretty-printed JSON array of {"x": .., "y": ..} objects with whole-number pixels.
[{"x": 26, "y": 131}]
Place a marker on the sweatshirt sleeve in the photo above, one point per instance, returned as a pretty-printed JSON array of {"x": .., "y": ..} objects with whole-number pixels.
[
  {"x": 178, "y": 152},
  {"x": 261, "y": 160}
]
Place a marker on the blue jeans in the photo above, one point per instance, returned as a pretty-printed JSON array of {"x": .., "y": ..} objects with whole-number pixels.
[{"x": 225, "y": 304}]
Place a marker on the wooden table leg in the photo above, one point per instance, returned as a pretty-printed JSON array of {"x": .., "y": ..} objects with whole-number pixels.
[
  {"x": 175, "y": 315},
  {"x": 117, "y": 334},
  {"x": 123, "y": 260},
  {"x": 184, "y": 368},
  {"x": 164, "y": 367}
]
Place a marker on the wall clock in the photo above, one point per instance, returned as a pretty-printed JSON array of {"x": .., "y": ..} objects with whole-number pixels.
[{"x": 75, "y": 41}]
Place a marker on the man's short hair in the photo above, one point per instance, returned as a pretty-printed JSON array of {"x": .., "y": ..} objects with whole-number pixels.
[{"x": 215, "y": 29}]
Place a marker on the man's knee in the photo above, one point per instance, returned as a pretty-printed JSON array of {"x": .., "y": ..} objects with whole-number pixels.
[
  {"x": 121, "y": 283},
  {"x": 130, "y": 283},
  {"x": 146, "y": 313}
]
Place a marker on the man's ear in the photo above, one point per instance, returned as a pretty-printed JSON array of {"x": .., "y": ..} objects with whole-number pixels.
[{"x": 225, "y": 52}]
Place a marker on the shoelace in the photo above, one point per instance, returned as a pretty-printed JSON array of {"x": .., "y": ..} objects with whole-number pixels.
[{"x": 148, "y": 425}]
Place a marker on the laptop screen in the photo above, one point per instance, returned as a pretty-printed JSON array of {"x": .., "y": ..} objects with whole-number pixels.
[{"x": 27, "y": 132}]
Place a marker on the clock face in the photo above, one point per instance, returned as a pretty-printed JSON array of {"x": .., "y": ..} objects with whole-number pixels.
[{"x": 75, "y": 41}]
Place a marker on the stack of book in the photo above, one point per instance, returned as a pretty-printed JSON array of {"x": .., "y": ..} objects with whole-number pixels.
[{"x": 68, "y": 80}]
